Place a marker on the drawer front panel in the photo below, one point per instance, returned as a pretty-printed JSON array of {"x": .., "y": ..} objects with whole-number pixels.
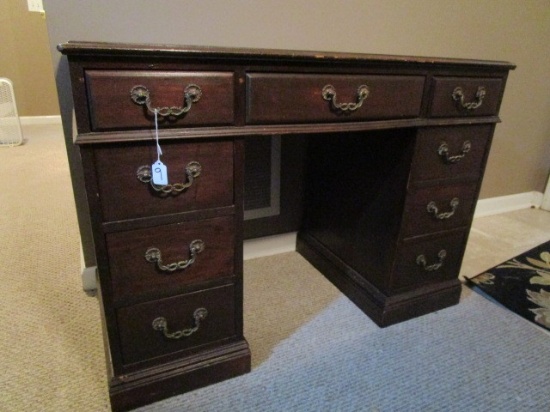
[
  {"x": 450, "y": 152},
  {"x": 111, "y": 105},
  {"x": 428, "y": 261},
  {"x": 124, "y": 196},
  {"x": 142, "y": 335},
  {"x": 137, "y": 273},
  {"x": 295, "y": 98},
  {"x": 465, "y": 96},
  {"x": 438, "y": 208}
]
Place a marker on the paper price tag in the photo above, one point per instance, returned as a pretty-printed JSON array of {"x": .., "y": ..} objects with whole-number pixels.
[{"x": 160, "y": 173}]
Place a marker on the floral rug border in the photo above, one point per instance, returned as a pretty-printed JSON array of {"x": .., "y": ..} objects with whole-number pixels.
[{"x": 521, "y": 284}]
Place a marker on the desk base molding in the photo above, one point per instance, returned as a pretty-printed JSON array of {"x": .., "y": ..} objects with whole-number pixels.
[
  {"x": 151, "y": 385},
  {"x": 383, "y": 310}
]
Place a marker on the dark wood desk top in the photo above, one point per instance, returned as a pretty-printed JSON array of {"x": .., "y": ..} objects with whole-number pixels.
[{"x": 164, "y": 50}]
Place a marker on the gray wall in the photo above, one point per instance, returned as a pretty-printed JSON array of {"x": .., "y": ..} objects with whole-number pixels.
[{"x": 516, "y": 31}]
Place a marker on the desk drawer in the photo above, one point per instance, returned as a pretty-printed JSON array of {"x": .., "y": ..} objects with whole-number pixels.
[
  {"x": 298, "y": 98},
  {"x": 124, "y": 192},
  {"x": 208, "y": 96},
  {"x": 426, "y": 261},
  {"x": 439, "y": 208},
  {"x": 140, "y": 326},
  {"x": 456, "y": 152},
  {"x": 140, "y": 259},
  {"x": 466, "y": 96}
]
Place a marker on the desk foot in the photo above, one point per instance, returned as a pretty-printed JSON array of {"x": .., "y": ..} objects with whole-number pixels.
[
  {"x": 382, "y": 309},
  {"x": 154, "y": 384}
]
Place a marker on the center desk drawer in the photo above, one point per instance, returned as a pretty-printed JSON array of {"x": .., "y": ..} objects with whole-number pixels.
[
  {"x": 157, "y": 261},
  {"x": 125, "y": 192},
  {"x": 297, "y": 98},
  {"x": 166, "y": 326},
  {"x": 117, "y": 99}
]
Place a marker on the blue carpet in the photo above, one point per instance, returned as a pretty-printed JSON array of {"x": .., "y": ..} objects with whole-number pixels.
[{"x": 475, "y": 356}]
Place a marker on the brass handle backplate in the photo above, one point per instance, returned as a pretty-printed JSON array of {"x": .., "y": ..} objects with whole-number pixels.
[
  {"x": 192, "y": 170},
  {"x": 443, "y": 152},
  {"x": 421, "y": 261},
  {"x": 433, "y": 209},
  {"x": 329, "y": 94},
  {"x": 161, "y": 324},
  {"x": 153, "y": 255},
  {"x": 142, "y": 96},
  {"x": 458, "y": 97}
]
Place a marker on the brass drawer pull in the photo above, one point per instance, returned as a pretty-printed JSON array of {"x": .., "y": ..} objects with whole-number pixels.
[
  {"x": 443, "y": 151},
  {"x": 153, "y": 255},
  {"x": 458, "y": 97},
  {"x": 142, "y": 96},
  {"x": 161, "y": 324},
  {"x": 192, "y": 170},
  {"x": 421, "y": 261},
  {"x": 432, "y": 209},
  {"x": 329, "y": 94}
]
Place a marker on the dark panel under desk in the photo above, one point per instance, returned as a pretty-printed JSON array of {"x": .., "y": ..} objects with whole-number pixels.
[
  {"x": 291, "y": 184},
  {"x": 258, "y": 172},
  {"x": 356, "y": 186}
]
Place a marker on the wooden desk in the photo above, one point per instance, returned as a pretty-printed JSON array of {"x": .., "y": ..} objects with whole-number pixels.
[{"x": 394, "y": 156}]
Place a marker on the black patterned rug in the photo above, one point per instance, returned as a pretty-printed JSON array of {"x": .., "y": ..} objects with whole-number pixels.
[{"x": 521, "y": 284}]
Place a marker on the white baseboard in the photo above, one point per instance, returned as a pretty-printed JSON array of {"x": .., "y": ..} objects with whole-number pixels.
[
  {"x": 31, "y": 120},
  {"x": 87, "y": 275},
  {"x": 270, "y": 245},
  {"x": 89, "y": 280},
  {"x": 545, "y": 205},
  {"x": 503, "y": 204}
]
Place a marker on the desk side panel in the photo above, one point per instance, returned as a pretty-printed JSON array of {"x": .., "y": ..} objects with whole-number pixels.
[{"x": 356, "y": 186}]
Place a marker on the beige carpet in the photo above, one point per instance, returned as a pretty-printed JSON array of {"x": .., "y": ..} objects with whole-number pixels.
[
  {"x": 52, "y": 351},
  {"x": 50, "y": 337},
  {"x": 50, "y": 341}
]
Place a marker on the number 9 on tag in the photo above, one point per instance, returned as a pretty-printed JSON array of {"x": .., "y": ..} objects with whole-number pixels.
[{"x": 160, "y": 173}]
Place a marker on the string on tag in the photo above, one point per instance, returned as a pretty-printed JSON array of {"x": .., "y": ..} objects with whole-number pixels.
[
  {"x": 159, "y": 150},
  {"x": 159, "y": 170}
]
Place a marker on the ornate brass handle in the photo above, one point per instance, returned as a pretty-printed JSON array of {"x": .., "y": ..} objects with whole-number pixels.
[
  {"x": 153, "y": 255},
  {"x": 142, "y": 96},
  {"x": 443, "y": 151},
  {"x": 329, "y": 94},
  {"x": 192, "y": 170},
  {"x": 421, "y": 261},
  {"x": 432, "y": 208},
  {"x": 161, "y": 324},
  {"x": 458, "y": 96}
]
